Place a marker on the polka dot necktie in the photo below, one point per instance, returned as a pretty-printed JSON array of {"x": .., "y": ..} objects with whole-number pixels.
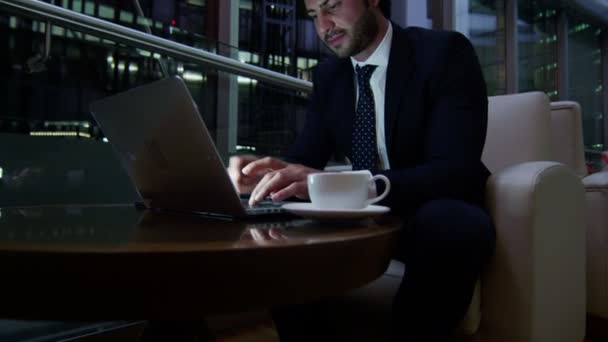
[{"x": 364, "y": 127}]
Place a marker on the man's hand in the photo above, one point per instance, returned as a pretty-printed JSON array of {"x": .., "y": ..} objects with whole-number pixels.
[
  {"x": 284, "y": 180},
  {"x": 244, "y": 184}
]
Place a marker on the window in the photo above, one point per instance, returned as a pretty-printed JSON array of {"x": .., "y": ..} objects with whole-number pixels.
[
  {"x": 537, "y": 45},
  {"x": 585, "y": 77},
  {"x": 483, "y": 22}
]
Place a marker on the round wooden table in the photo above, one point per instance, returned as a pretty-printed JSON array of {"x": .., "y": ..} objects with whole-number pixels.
[{"x": 117, "y": 262}]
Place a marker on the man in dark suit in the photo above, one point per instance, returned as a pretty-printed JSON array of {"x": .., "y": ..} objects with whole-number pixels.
[{"x": 410, "y": 104}]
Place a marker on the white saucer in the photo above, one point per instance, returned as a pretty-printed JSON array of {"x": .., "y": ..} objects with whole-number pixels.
[{"x": 308, "y": 211}]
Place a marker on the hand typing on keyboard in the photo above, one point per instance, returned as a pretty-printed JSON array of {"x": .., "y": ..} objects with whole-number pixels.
[
  {"x": 243, "y": 183},
  {"x": 269, "y": 177}
]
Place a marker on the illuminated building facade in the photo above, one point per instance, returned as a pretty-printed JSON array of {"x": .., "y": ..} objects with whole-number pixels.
[{"x": 558, "y": 47}]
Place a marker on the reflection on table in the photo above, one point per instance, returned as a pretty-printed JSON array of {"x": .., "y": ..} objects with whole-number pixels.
[{"x": 109, "y": 262}]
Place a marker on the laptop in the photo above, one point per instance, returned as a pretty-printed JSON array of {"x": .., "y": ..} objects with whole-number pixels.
[{"x": 165, "y": 147}]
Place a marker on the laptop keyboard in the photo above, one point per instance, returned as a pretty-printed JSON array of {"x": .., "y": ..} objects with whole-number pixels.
[{"x": 264, "y": 207}]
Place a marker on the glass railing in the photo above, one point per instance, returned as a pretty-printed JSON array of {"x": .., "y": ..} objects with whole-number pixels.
[
  {"x": 56, "y": 61},
  {"x": 596, "y": 159},
  {"x": 250, "y": 108},
  {"x": 189, "y": 32},
  {"x": 177, "y": 43}
]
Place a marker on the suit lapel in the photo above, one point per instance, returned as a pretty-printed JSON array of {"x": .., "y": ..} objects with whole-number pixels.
[
  {"x": 345, "y": 92},
  {"x": 400, "y": 66}
]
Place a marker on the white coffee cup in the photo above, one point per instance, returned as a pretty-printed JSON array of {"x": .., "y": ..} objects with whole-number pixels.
[{"x": 344, "y": 190}]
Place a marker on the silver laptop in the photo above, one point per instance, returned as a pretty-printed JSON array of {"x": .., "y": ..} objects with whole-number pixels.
[{"x": 166, "y": 149}]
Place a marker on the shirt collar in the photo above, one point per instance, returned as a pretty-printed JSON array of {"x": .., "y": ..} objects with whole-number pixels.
[{"x": 382, "y": 52}]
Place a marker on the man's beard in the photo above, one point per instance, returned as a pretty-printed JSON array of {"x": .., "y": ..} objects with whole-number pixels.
[{"x": 362, "y": 34}]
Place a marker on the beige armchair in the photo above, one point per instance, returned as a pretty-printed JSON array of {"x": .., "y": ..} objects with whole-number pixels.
[
  {"x": 567, "y": 146},
  {"x": 534, "y": 289}
]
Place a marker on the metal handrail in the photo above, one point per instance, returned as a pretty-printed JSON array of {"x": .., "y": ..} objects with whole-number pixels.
[
  {"x": 131, "y": 37},
  {"x": 596, "y": 152}
]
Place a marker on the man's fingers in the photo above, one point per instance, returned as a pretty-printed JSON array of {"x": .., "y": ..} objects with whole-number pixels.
[
  {"x": 262, "y": 189},
  {"x": 270, "y": 183},
  {"x": 237, "y": 163},
  {"x": 245, "y": 180},
  {"x": 297, "y": 189},
  {"x": 266, "y": 236},
  {"x": 263, "y": 165},
  {"x": 283, "y": 183},
  {"x": 276, "y": 234},
  {"x": 259, "y": 235},
  {"x": 256, "y": 191},
  {"x": 242, "y": 182}
]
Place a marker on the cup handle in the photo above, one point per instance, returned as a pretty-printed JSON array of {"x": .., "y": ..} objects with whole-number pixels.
[{"x": 387, "y": 188}]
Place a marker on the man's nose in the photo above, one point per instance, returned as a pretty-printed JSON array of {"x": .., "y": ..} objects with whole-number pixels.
[{"x": 325, "y": 23}]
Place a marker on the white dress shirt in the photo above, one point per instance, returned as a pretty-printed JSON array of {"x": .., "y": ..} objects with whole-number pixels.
[{"x": 378, "y": 84}]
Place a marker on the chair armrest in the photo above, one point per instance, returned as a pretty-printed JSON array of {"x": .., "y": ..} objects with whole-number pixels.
[
  {"x": 596, "y": 200},
  {"x": 534, "y": 288}
]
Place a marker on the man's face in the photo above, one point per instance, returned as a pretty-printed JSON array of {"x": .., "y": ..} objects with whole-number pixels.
[{"x": 347, "y": 27}]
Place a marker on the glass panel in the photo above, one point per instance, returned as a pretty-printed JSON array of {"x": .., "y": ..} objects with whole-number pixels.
[
  {"x": 483, "y": 22},
  {"x": 55, "y": 93},
  {"x": 65, "y": 331},
  {"x": 51, "y": 150},
  {"x": 269, "y": 118},
  {"x": 50, "y": 98},
  {"x": 282, "y": 35},
  {"x": 537, "y": 34},
  {"x": 585, "y": 80}
]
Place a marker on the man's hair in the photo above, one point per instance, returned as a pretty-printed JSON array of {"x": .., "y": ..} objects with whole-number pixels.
[{"x": 385, "y": 8}]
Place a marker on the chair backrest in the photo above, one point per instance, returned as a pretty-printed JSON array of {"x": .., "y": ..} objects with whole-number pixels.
[
  {"x": 567, "y": 136},
  {"x": 53, "y": 170},
  {"x": 518, "y": 130}
]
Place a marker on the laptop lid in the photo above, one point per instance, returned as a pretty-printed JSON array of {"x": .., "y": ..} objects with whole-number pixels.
[{"x": 164, "y": 145}]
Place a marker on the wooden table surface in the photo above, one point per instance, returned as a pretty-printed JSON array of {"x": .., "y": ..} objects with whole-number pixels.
[{"x": 117, "y": 262}]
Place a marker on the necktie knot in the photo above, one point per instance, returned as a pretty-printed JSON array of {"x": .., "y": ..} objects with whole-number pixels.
[{"x": 365, "y": 72}]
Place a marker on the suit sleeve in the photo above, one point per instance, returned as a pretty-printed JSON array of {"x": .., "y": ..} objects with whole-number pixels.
[
  {"x": 456, "y": 131},
  {"x": 314, "y": 144}
]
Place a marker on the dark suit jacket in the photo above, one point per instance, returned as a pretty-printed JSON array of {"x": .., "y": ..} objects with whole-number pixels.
[{"x": 435, "y": 118}]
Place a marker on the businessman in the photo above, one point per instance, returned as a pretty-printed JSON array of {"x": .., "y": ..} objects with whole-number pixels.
[{"x": 410, "y": 104}]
